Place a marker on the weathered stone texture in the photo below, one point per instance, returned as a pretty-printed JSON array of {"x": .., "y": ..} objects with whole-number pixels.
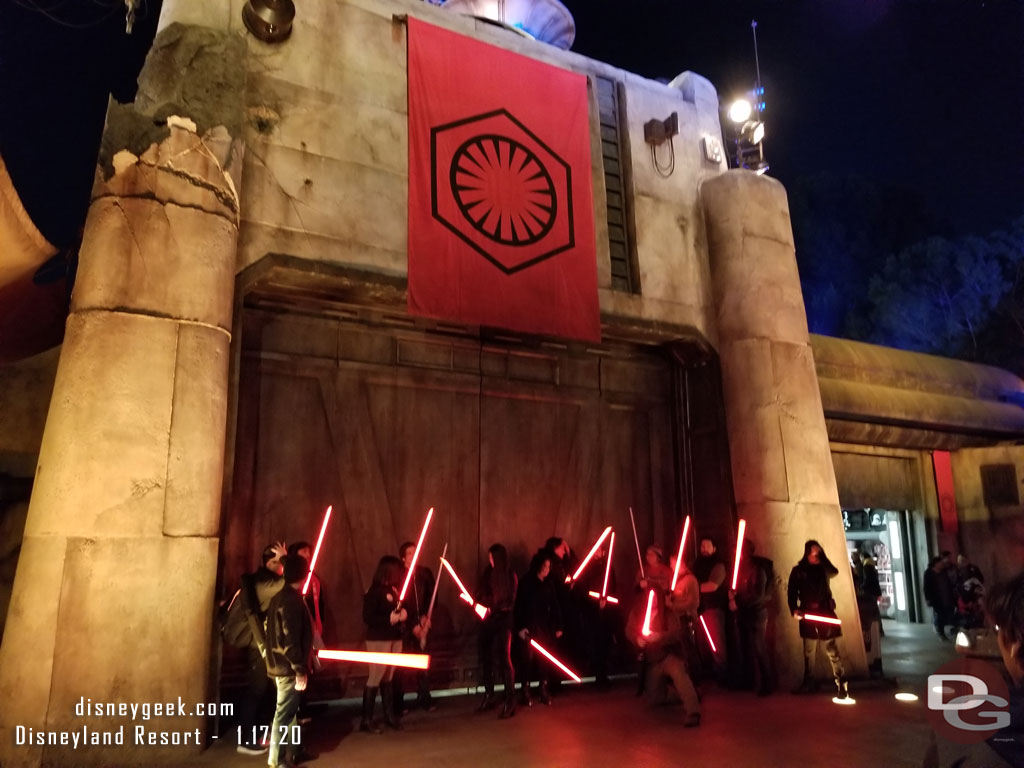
[{"x": 782, "y": 470}]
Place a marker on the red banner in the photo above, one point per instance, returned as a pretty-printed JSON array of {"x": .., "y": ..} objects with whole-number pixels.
[
  {"x": 501, "y": 223},
  {"x": 948, "y": 522}
]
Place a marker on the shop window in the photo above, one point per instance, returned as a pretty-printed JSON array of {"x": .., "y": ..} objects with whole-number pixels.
[{"x": 999, "y": 485}]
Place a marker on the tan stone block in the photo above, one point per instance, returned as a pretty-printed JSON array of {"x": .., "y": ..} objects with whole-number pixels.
[
  {"x": 256, "y": 240},
  {"x": 357, "y": 205},
  {"x": 25, "y": 389},
  {"x": 756, "y": 447},
  {"x": 352, "y": 126},
  {"x": 201, "y": 14},
  {"x": 335, "y": 47},
  {"x": 158, "y": 259},
  {"x": 103, "y": 461},
  {"x": 195, "y": 462},
  {"x": 671, "y": 267},
  {"x": 134, "y": 625},
  {"x": 26, "y": 656},
  {"x": 809, "y": 469},
  {"x": 743, "y": 204}
]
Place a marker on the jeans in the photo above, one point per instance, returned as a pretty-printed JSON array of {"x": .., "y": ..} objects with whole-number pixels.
[{"x": 285, "y": 720}]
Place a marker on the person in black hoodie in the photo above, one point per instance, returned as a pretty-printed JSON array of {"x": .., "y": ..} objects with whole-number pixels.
[
  {"x": 383, "y": 618},
  {"x": 809, "y": 592},
  {"x": 289, "y": 647},
  {"x": 497, "y": 591},
  {"x": 417, "y": 603},
  {"x": 538, "y": 615}
]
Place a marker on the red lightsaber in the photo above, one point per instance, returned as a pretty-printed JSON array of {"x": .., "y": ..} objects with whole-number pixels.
[
  {"x": 462, "y": 587},
  {"x": 679, "y": 557},
  {"x": 411, "y": 660},
  {"x": 481, "y": 610},
  {"x": 608, "y": 566},
  {"x": 739, "y": 553},
  {"x": 636, "y": 538},
  {"x": 646, "y": 631},
  {"x": 316, "y": 551},
  {"x": 555, "y": 661},
  {"x": 590, "y": 554},
  {"x": 819, "y": 619},
  {"x": 707, "y": 634},
  {"x": 609, "y": 598},
  {"x": 415, "y": 555}
]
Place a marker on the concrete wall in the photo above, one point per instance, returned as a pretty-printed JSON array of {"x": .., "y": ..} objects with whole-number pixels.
[{"x": 992, "y": 535}]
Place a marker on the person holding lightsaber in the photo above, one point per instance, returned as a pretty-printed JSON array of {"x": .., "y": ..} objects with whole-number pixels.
[
  {"x": 538, "y": 616},
  {"x": 684, "y": 602},
  {"x": 713, "y": 576},
  {"x": 384, "y": 618},
  {"x": 749, "y": 605},
  {"x": 810, "y": 593},
  {"x": 662, "y": 647},
  {"x": 600, "y": 615},
  {"x": 417, "y": 604},
  {"x": 497, "y": 591},
  {"x": 656, "y": 574}
]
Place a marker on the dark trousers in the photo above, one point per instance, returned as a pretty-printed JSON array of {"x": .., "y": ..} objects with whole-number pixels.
[
  {"x": 255, "y": 709},
  {"x": 285, "y": 721},
  {"x": 754, "y": 631},
  {"x": 496, "y": 651},
  {"x": 407, "y": 679}
]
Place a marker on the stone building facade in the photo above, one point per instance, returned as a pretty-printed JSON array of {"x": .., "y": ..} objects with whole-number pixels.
[{"x": 239, "y": 355}]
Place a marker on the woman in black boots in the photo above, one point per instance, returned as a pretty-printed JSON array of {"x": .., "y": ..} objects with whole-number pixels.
[
  {"x": 384, "y": 619},
  {"x": 539, "y": 616},
  {"x": 497, "y": 592}
]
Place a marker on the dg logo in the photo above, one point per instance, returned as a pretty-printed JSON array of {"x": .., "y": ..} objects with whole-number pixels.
[{"x": 968, "y": 701}]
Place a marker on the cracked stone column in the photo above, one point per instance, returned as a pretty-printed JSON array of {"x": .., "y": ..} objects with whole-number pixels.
[
  {"x": 782, "y": 471},
  {"x": 113, "y": 597}
]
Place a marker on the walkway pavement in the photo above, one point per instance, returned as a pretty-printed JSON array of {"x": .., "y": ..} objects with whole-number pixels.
[{"x": 586, "y": 728}]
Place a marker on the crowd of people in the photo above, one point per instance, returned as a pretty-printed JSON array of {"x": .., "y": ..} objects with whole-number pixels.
[
  {"x": 682, "y": 623},
  {"x": 955, "y": 590}
]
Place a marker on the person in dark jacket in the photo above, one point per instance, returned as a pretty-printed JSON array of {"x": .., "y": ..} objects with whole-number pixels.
[
  {"x": 255, "y": 707},
  {"x": 809, "y": 592},
  {"x": 663, "y": 650},
  {"x": 383, "y": 617},
  {"x": 497, "y": 592},
  {"x": 600, "y": 619},
  {"x": 289, "y": 648},
  {"x": 538, "y": 616},
  {"x": 1005, "y": 607},
  {"x": 711, "y": 573},
  {"x": 939, "y": 591},
  {"x": 417, "y": 603},
  {"x": 749, "y": 604}
]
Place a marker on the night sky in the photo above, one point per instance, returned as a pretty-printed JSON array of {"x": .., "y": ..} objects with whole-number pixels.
[{"x": 922, "y": 94}]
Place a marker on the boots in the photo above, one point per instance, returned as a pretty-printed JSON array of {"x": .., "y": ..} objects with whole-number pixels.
[
  {"x": 527, "y": 698},
  {"x": 488, "y": 703},
  {"x": 508, "y": 708},
  {"x": 387, "y": 697},
  {"x": 842, "y": 688},
  {"x": 545, "y": 694},
  {"x": 369, "y": 700}
]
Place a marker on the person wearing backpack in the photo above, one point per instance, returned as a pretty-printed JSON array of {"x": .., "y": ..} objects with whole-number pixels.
[
  {"x": 244, "y": 628},
  {"x": 749, "y": 604}
]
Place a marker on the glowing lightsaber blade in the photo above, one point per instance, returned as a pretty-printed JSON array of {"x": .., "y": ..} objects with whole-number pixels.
[
  {"x": 481, "y": 611},
  {"x": 411, "y": 660},
  {"x": 646, "y": 631},
  {"x": 415, "y": 555},
  {"x": 739, "y": 553},
  {"x": 316, "y": 551},
  {"x": 590, "y": 554},
  {"x": 555, "y": 661},
  {"x": 609, "y": 598},
  {"x": 636, "y": 538},
  {"x": 679, "y": 557},
  {"x": 433, "y": 598},
  {"x": 608, "y": 565},
  {"x": 819, "y": 619},
  {"x": 462, "y": 587},
  {"x": 707, "y": 634}
]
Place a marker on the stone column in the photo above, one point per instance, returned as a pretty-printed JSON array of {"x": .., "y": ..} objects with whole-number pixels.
[
  {"x": 113, "y": 597},
  {"x": 781, "y": 463}
]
